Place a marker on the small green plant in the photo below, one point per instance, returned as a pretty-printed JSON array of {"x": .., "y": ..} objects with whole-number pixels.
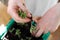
[
  {"x": 12, "y": 30},
  {"x": 33, "y": 26},
  {"x": 18, "y": 32},
  {"x": 22, "y": 14}
]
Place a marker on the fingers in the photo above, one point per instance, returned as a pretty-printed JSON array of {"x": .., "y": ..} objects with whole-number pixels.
[
  {"x": 12, "y": 9},
  {"x": 28, "y": 13},
  {"x": 26, "y": 20},
  {"x": 40, "y": 28},
  {"x": 24, "y": 8},
  {"x": 36, "y": 19},
  {"x": 21, "y": 6},
  {"x": 38, "y": 34},
  {"x": 13, "y": 12},
  {"x": 19, "y": 19}
]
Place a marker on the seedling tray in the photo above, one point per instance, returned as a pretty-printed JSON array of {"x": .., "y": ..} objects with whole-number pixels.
[{"x": 22, "y": 32}]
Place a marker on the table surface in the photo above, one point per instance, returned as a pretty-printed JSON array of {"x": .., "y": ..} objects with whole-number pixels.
[{"x": 4, "y": 17}]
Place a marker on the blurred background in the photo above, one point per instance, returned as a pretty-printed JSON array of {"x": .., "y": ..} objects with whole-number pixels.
[{"x": 4, "y": 18}]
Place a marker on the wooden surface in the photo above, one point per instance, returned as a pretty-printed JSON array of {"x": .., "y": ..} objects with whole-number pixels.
[
  {"x": 4, "y": 17},
  {"x": 55, "y": 35}
]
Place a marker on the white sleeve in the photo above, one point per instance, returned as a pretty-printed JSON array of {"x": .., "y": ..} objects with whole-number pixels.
[{"x": 40, "y": 7}]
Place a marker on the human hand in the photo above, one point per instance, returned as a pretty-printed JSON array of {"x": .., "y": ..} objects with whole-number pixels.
[
  {"x": 49, "y": 22},
  {"x": 14, "y": 6}
]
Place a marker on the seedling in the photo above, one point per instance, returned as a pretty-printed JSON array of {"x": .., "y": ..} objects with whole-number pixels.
[
  {"x": 33, "y": 26},
  {"x": 18, "y": 32},
  {"x": 22, "y": 14},
  {"x": 12, "y": 30}
]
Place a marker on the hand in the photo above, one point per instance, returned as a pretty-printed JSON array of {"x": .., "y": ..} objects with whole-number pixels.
[
  {"x": 14, "y": 6},
  {"x": 49, "y": 22}
]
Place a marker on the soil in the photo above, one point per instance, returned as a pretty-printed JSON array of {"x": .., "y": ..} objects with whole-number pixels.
[{"x": 21, "y": 32}]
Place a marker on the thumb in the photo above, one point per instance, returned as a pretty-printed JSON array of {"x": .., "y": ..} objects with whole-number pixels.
[{"x": 28, "y": 13}]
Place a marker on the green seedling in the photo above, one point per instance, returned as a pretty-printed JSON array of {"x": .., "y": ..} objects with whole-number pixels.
[
  {"x": 22, "y": 14},
  {"x": 33, "y": 26},
  {"x": 18, "y": 32},
  {"x": 12, "y": 30}
]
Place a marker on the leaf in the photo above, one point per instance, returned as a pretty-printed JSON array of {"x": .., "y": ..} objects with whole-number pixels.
[
  {"x": 12, "y": 30},
  {"x": 18, "y": 32},
  {"x": 22, "y": 14},
  {"x": 33, "y": 26}
]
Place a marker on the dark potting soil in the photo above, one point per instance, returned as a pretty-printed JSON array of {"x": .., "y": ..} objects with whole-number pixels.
[{"x": 21, "y": 32}]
